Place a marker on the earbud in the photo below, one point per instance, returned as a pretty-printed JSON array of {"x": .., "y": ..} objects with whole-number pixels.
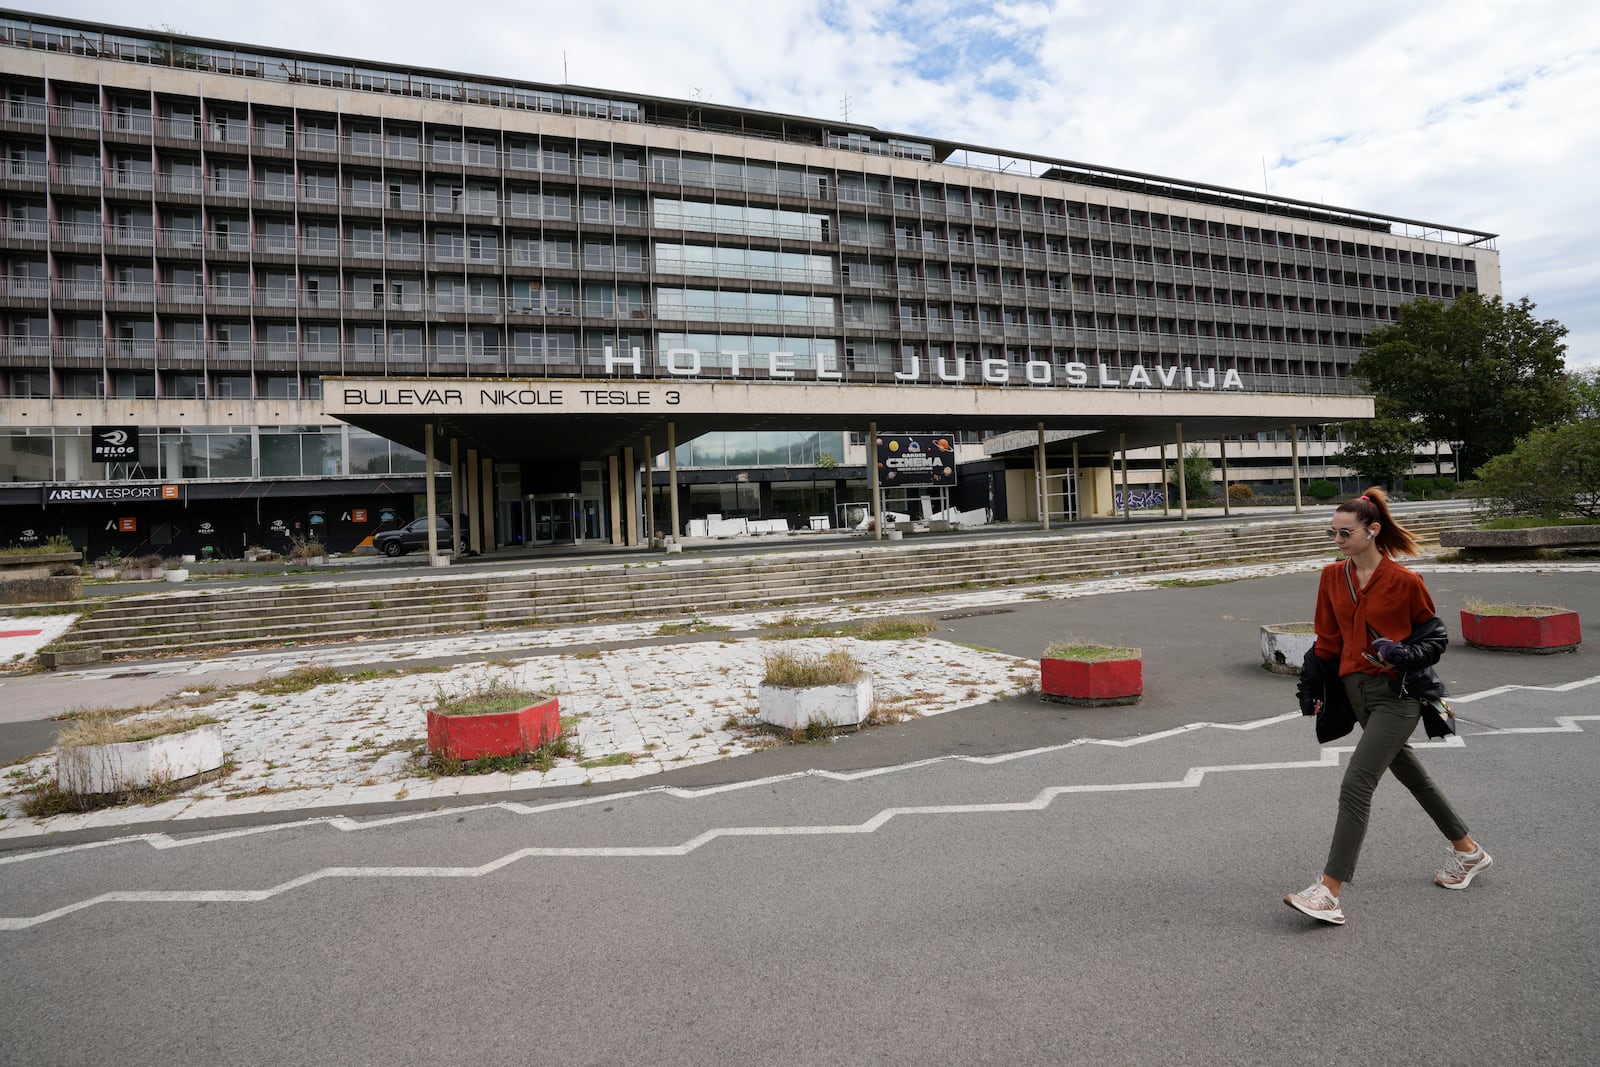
[{"x": 1369, "y": 535}]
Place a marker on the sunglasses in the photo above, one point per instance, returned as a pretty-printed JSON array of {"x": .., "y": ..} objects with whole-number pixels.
[{"x": 1336, "y": 533}]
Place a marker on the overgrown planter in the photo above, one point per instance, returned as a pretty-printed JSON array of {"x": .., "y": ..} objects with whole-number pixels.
[
  {"x": 800, "y": 707},
  {"x": 509, "y": 733},
  {"x": 802, "y": 691},
  {"x": 1284, "y": 646},
  {"x": 1538, "y": 629},
  {"x": 127, "y": 766},
  {"x": 69, "y": 656},
  {"x": 1091, "y": 675}
]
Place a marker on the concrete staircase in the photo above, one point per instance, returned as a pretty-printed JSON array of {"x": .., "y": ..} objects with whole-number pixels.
[{"x": 195, "y": 622}]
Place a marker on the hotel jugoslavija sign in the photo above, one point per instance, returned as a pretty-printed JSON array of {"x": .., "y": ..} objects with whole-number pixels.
[{"x": 916, "y": 459}]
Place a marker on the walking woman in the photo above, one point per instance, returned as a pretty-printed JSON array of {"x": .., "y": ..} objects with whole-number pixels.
[{"x": 1378, "y": 638}]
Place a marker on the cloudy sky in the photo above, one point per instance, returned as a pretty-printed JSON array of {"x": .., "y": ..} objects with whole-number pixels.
[{"x": 1470, "y": 113}]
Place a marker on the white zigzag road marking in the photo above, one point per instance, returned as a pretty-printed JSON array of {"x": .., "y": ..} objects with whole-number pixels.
[
  {"x": 162, "y": 841},
  {"x": 1329, "y": 756}
]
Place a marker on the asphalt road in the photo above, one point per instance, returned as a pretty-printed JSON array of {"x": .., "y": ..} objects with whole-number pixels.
[{"x": 1053, "y": 902}]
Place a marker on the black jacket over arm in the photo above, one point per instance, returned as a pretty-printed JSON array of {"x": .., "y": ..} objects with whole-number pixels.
[{"x": 1413, "y": 660}]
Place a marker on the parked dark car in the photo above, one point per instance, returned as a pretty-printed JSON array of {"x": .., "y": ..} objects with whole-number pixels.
[{"x": 413, "y": 535}]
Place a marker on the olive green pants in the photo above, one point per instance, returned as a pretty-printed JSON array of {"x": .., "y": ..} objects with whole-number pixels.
[{"x": 1387, "y": 723}]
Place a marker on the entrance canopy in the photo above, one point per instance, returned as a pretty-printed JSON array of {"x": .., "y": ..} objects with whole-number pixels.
[{"x": 557, "y": 420}]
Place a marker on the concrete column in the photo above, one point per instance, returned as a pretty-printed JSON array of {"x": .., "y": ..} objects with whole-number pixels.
[
  {"x": 1077, "y": 486},
  {"x": 1040, "y": 484},
  {"x": 428, "y": 469},
  {"x": 487, "y": 484},
  {"x": 672, "y": 474},
  {"x": 631, "y": 504},
  {"x": 616, "y": 503},
  {"x": 1183, "y": 483},
  {"x": 872, "y": 481},
  {"x": 1294, "y": 464},
  {"x": 1122, "y": 452},
  {"x": 474, "y": 504},
  {"x": 1166, "y": 505},
  {"x": 649, "y": 493},
  {"x": 458, "y": 491},
  {"x": 1222, "y": 450}
]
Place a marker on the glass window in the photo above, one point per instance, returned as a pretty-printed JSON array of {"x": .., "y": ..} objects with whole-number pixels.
[
  {"x": 280, "y": 455},
  {"x": 369, "y": 453}
]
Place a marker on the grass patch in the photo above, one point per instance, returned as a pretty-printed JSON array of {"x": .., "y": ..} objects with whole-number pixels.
[
  {"x": 297, "y": 681},
  {"x": 792, "y": 670},
  {"x": 616, "y": 759},
  {"x": 1088, "y": 651},
  {"x": 588, "y": 653},
  {"x": 1483, "y": 607},
  {"x": 489, "y": 698},
  {"x": 111, "y": 728},
  {"x": 47, "y": 799},
  {"x": 540, "y": 759},
  {"x": 897, "y": 628},
  {"x": 1189, "y": 583},
  {"x": 1296, "y": 628}
]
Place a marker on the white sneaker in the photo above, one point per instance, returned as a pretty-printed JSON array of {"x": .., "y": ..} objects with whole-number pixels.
[
  {"x": 1462, "y": 867},
  {"x": 1316, "y": 901}
]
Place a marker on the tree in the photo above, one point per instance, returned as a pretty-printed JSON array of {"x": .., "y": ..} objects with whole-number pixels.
[
  {"x": 1381, "y": 450},
  {"x": 1196, "y": 477},
  {"x": 1585, "y": 385},
  {"x": 1479, "y": 373},
  {"x": 1552, "y": 472}
]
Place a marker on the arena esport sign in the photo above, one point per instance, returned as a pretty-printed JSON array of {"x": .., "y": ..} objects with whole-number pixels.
[{"x": 942, "y": 370}]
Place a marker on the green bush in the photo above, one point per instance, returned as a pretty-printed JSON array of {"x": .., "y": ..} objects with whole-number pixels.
[
  {"x": 1321, "y": 489},
  {"x": 1239, "y": 491},
  {"x": 1550, "y": 473}
]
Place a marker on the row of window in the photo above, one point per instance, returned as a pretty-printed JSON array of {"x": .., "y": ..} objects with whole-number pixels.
[{"x": 195, "y": 453}]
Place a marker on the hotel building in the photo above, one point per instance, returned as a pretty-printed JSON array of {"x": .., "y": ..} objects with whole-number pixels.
[{"x": 277, "y": 274}]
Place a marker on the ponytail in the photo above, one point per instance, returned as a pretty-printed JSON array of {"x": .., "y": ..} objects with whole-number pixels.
[{"x": 1371, "y": 507}]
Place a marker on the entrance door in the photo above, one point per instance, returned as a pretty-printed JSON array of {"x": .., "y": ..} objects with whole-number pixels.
[
  {"x": 590, "y": 514},
  {"x": 554, "y": 519}
]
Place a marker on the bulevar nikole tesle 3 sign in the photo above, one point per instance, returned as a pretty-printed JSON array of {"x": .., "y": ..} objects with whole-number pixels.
[{"x": 916, "y": 459}]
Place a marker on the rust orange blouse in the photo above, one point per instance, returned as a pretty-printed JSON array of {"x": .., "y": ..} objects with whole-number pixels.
[{"x": 1394, "y": 603}]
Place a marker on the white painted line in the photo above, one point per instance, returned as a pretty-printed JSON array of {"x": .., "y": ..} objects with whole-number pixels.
[{"x": 1328, "y": 757}]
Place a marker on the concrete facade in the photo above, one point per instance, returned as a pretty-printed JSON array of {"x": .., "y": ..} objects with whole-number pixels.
[{"x": 214, "y": 243}]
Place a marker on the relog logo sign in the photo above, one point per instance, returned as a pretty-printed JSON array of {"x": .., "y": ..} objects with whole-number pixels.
[{"x": 114, "y": 444}]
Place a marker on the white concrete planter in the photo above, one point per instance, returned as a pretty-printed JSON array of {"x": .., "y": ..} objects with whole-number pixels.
[
  {"x": 139, "y": 764},
  {"x": 177, "y": 574},
  {"x": 1283, "y": 649},
  {"x": 830, "y": 705}
]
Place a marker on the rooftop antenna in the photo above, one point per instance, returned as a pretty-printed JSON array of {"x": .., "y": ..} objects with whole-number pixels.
[
  {"x": 844, "y": 106},
  {"x": 564, "y": 79},
  {"x": 1264, "y": 188}
]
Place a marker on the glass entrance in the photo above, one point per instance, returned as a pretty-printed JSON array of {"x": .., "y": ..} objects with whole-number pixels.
[{"x": 553, "y": 519}]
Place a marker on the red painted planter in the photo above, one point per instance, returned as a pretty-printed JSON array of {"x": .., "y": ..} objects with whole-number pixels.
[
  {"x": 1102, "y": 683},
  {"x": 1557, "y": 631},
  {"x": 469, "y": 737}
]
